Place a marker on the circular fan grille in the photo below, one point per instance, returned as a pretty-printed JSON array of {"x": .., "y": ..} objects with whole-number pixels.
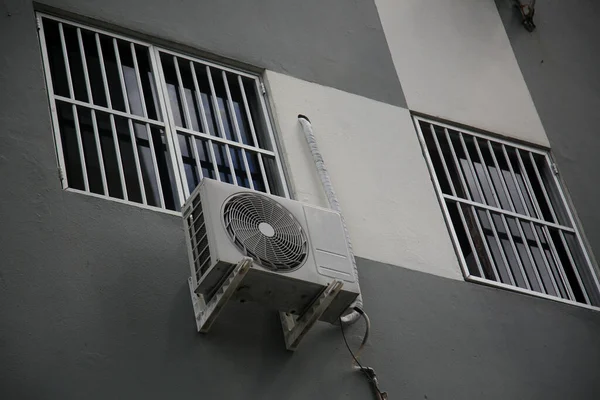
[{"x": 264, "y": 230}]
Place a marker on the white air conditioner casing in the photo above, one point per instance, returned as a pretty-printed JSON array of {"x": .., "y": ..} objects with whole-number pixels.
[{"x": 297, "y": 249}]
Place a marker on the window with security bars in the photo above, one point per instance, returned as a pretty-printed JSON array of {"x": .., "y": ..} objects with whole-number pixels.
[
  {"x": 507, "y": 214},
  {"x": 143, "y": 124}
]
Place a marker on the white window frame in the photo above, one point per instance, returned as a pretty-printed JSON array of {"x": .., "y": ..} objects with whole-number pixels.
[
  {"x": 444, "y": 198},
  {"x": 166, "y": 120}
]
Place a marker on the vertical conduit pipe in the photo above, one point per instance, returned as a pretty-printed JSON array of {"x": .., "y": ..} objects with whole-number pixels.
[{"x": 353, "y": 315}]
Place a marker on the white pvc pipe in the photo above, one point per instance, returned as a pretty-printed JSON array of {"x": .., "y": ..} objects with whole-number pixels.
[{"x": 353, "y": 315}]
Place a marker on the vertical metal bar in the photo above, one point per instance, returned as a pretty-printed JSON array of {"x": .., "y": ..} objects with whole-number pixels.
[
  {"x": 196, "y": 156},
  {"x": 457, "y": 164},
  {"x": 488, "y": 215},
  {"x": 545, "y": 231},
  {"x": 99, "y": 151},
  {"x": 558, "y": 263},
  {"x": 582, "y": 245},
  {"x": 517, "y": 186},
  {"x": 253, "y": 133},
  {"x": 502, "y": 217},
  {"x": 86, "y": 76},
  {"x": 121, "y": 77},
  {"x": 470, "y": 239},
  {"x": 86, "y": 182},
  {"x": 161, "y": 196},
  {"x": 112, "y": 118},
  {"x": 460, "y": 212},
  {"x": 93, "y": 113},
  {"x": 237, "y": 128},
  {"x": 147, "y": 127},
  {"x": 543, "y": 186},
  {"x": 129, "y": 123},
  {"x": 500, "y": 247},
  {"x": 514, "y": 249},
  {"x": 485, "y": 244},
  {"x": 187, "y": 117},
  {"x": 186, "y": 110},
  {"x": 487, "y": 173},
  {"x": 136, "y": 157},
  {"x": 475, "y": 214},
  {"x": 472, "y": 168},
  {"x": 204, "y": 122},
  {"x": 441, "y": 154},
  {"x": 170, "y": 128},
  {"x": 574, "y": 266},
  {"x": 220, "y": 126},
  {"x": 272, "y": 139},
  {"x": 198, "y": 93},
  {"x": 534, "y": 266},
  {"x": 543, "y": 254},
  {"x": 528, "y": 186},
  {"x": 443, "y": 203},
  {"x": 550, "y": 240},
  {"x": 103, "y": 70},
  {"x": 501, "y": 175},
  {"x": 519, "y": 227},
  {"x": 63, "y": 44},
  {"x": 138, "y": 80},
  {"x": 56, "y": 128}
]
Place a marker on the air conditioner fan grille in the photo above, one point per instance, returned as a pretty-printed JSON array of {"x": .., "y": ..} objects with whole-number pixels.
[{"x": 264, "y": 230}]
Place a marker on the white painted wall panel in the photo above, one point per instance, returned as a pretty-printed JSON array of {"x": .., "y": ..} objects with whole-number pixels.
[
  {"x": 454, "y": 61},
  {"x": 377, "y": 168}
]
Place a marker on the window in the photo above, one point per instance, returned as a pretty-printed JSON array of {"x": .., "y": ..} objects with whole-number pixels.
[
  {"x": 507, "y": 214},
  {"x": 143, "y": 124}
]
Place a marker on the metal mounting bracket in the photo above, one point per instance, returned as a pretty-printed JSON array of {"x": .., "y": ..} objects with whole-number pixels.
[
  {"x": 295, "y": 328},
  {"x": 207, "y": 313}
]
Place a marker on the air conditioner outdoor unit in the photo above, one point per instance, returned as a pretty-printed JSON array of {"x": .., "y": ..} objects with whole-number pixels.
[{"x": 245, "y": 245}]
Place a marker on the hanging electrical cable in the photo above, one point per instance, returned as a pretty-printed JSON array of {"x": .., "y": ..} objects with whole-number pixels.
[{"x": 367, "y": 371}]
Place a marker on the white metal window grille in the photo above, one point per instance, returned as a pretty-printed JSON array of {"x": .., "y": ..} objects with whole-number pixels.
[
  {"x": 143, "y": 124},
  {"x": 507, "y": 214}
]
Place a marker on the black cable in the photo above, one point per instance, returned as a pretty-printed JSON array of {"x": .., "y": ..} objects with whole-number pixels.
[
  {"x": 367, "y": 329},
  {"x": 351, "y": 352},
  {"x": 368, "y": 372}
]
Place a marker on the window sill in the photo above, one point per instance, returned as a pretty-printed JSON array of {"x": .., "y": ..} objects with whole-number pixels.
[
  {"x": 486, "y": 282},
  {"x": 127, "y": 202}
]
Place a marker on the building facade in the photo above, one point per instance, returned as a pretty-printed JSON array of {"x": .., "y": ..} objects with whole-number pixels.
[{"x": 462, "y": 147}]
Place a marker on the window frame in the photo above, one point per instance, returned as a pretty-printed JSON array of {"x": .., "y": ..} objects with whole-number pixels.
[
  {"x": 164, "y": 120},
  {"x": 442, "y": 197}
]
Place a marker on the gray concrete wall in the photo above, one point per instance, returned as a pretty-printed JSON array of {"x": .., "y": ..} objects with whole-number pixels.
[
  {"x": 335, "y": 43},
  {"x": 560, "y": 63},
  {"x": 94, "y": 303}
]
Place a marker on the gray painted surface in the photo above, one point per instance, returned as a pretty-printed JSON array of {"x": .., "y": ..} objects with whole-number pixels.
[
  {"x": 336, "y": 43},
  {"x": 94, "y": 302},
  {"x": 561, "y": 62}
]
